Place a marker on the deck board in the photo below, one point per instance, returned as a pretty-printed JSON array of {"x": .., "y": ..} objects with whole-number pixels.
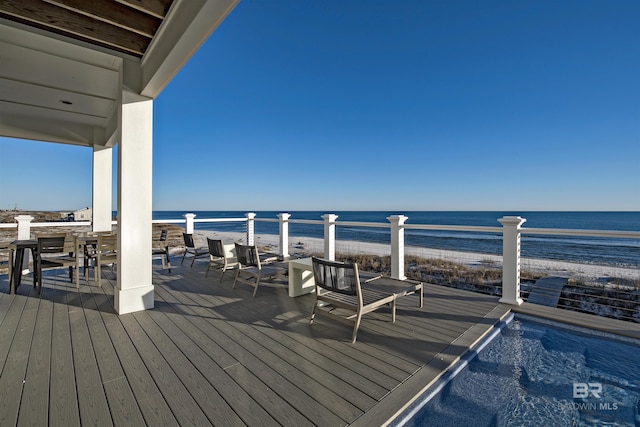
[
  {"x": 181, "y": 401},
  {"x": 305, "y": 390},
  {"x": 35, "y": 395},
  {"x": 228, "y": 399},
  {"x": 154, "y": 408},
  {"x": 281, "y": 348},
  {"x": 63, "y": 406},
  {"x": 252, "y": 367},
  {"x": 208, "y": 354},
  {"x": 11, "y": 382},
  {"x": 199, "y": 332}
]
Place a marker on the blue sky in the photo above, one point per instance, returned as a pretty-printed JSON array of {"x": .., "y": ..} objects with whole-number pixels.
[{"x": 387, "y": 105}]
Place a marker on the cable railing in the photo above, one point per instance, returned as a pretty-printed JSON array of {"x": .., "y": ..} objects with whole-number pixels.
[{"x": 508, "y": 274}]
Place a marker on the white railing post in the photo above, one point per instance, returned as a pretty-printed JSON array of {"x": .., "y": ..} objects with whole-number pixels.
[
  {"x": 397, "y": 246},
  {"x": 24, "y": 226},
  {"x": 250, "y": 227},
  {"x": 188, "y": 226},
  {"x": 511, "y": 259},
  {"x": 24, "y": 233},
  {"x": 284, "y": 234},
  {"x": 330, "y": 236}
]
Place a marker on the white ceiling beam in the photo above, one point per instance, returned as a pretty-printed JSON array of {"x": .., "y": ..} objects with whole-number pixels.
[{"x": 186, "y": 28}]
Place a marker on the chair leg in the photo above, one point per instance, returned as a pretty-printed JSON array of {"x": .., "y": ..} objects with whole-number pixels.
[
  {"x": 256, "y": 288},
  {"x": 168, "y": 261},
  {"x": 206, "y": 274},
  {"x": 195, "y": 255},
  {"x": 356, "y": 326},
  {"x": 393, "y": 311},
  {"x": 236, "y": 279},
  {"x": 313, "y": 312},
  {"x": 184, "y": 255}
]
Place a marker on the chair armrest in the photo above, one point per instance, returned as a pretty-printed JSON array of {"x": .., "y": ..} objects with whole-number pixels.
[{"x": 371, "y": 279}]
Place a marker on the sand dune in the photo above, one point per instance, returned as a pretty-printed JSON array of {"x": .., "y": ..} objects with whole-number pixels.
[{"x": 306, "y": 245}]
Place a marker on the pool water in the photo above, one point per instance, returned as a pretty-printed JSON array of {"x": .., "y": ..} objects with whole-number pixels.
[{"x": 538, "y": 373}]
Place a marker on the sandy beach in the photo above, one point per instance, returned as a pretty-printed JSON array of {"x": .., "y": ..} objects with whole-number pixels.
[{"x": 307, "y": 245}]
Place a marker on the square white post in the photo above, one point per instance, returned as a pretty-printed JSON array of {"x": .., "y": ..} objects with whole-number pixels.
[
  {"x": 250, "y": 227},
  {"x": 24, "y": 233},
  {"x": 134, "y": 291},
  {"x": 330, "y": 236},
  {"x": 24, "y": 226},
  {"x": 511, "y": 259},
  {"x": 397, "y": 246},
  {"x": 284, "y": 234},
  {"x": 189, "y": 225},
  {"x": 102, "y": 188}
]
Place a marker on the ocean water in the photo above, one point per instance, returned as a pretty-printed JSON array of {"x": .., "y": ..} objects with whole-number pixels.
[{"x": 600, "y": 251}]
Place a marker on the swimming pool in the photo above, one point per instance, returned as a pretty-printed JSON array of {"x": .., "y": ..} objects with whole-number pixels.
[{"x": 538, "y": 373}]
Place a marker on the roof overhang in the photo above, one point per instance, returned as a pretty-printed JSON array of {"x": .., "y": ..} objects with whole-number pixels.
[{"x": 58, "y": 88}]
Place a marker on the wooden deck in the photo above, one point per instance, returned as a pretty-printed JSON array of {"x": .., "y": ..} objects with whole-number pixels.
[{"x": 211, "y": 355}]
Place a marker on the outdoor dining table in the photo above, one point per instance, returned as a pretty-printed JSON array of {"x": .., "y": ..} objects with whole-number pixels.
[{"x": 16, "y": 257}]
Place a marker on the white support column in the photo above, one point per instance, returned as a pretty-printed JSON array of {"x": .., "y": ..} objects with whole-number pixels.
[
  {"x": 189, "y": 224},
  {"x": 134, "y": 290},
  {"x": 250, "y": 227},
  {"x": 284, "y": 234},
  {"x": 24, "y": 226},
  {"x": 511, "y": 259},
  {"x": 330, "y": 236},
  {"x": 102, "y": 188},
  {"x": 24, "y": 233},
  {"x": 397, "y": 246}
]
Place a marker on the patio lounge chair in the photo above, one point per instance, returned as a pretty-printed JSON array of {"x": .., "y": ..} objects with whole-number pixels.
[
  {"x": 190, "y": 248},
  {"x": 59, "y": 252},
  {"x": 106, "y": 253},
  {"x": 338, "y": 284},
  {"x": 161, "y": 247},
  {"x": 249, "y": 264},
  {"x": 218, "y": 257}
]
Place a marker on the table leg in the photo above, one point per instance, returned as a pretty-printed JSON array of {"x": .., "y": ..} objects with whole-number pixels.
[
  {"x": 17, "y": 270},
  {"x": 34, "y": 255},
  {"x": 11, "y": 268}
]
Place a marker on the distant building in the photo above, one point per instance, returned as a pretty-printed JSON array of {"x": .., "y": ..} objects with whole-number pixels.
[{"x": 84, "y": 214}]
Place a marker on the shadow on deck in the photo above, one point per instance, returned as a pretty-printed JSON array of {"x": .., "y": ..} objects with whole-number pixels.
[{"x": 212, "y": 355}]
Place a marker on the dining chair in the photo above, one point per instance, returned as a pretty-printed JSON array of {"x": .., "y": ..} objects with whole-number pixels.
[
  {"x": 87, "y": 247},
  {"x": 106, "y": 254},
  {"x": 219, "y": 258},
  {"x": 161, "y": 247},
  {"x": 55, "y": 251},
  {"x": 190, "y": 248},
  {"x": 250, "y": 266}
]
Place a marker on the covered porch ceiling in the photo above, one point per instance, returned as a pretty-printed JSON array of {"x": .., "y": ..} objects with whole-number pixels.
[{"x": 65, "y": 63}]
